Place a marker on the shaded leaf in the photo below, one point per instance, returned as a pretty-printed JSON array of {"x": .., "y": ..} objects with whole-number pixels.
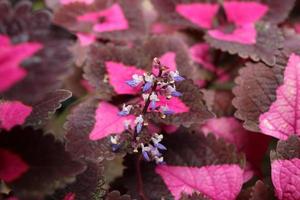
[
  {"x": 269, "y": 40},
  {"x": 50, "y": 167},
  {"x": 79, "y": 125},
  {"x": 254, "y": 92},
  {"x": 47, "y": 68},
  {"x": 281, "y": 119},
  {"x": 84, "y": 18},
  {"x": 46, "y": 107}
]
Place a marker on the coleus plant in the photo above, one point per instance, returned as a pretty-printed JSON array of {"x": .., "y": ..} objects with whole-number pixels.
[{"x": 149, "y": 99}]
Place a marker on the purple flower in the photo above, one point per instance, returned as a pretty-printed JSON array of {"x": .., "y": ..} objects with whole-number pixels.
[
  {"x": 175, "y": 76},
  {"x": 135, "y": 81},
  {"x": 147, "y": 86},
  {"x": 166, "y": 111},
  {"x": 139, "y": 123},
  {"x": 153, "y": 99},
  {"x": 125, "y": 110},
  {"x": 171, "y": 90}
]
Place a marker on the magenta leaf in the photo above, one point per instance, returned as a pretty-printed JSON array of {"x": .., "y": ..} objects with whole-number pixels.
[
  {"x": 189, "y": 155},
  {"x": 113, "y": 18},
  {"x": 108, "y": 121},
  {"x": 47, "y": 69},
  {"x": 168, "y": 59},
  {"x": 81, "y": 122},
  {"x": 73, "y": 1},
  {"x": 11, "y": 56},
  {"x": 13, "y": 113},
  {"x": 285, "y": 177},
  {"x": 11, "y": 166},
  {"x": 119, "y": 74},
  {"x": 219, "y": 182},
  {"x": 201, "y": 55},
  {"x": 118, "y": 20},
  {"x": 282, "y": 118},
  {"x": 242, "y": 13},
  {"x": 233, "y": 132},
  {"x": 285, "y": 168},
  {"x": 201, "y": 14},
  {"x": 174, "y": 104}
]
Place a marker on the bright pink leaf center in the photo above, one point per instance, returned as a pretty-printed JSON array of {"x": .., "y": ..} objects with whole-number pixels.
[
  {"x": 201, "y": 14},
  {"x": 175, "y": 104},
  {"x": 73, "y": 1},
  {"x": 200, "y": 54},
  {"x": 86, "y": 39},
  {"x": 219, "y": 182},
  {"x": 245, "y": 34},
  {"x": 108, "y": 121},
  {"x": 11, "y": 166},
  {"x": 283, "y": 117},
  {"x": 167, "y": 59},
  {"x": 11, "y": 57},
  {"x": 110, "y": 19},
  {"x": 118, "y": 75},
  {"x": 286, "y": 178},
  {"x": 13, "y": 113},
  {"x": 241, "y": 13}
]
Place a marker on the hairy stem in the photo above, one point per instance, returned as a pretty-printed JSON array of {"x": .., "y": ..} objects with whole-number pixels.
[{"x": 140, "y": 187}]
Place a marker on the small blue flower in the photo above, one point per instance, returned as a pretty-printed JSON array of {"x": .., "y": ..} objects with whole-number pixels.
[
  {"x": 125, "y": 110},
  {"x": 175, "y": 76},
  {"x": 166, "y": 111},
  {"x": 139, "y": 127},
  {"x": 147, "y": 86},
  {"x": 145, "y": 151},
  {"x": 135, "y": 81},
  {"x": 139, "y": 123},
  {"x": 176, "y": 94},
  {"x": 154, "y": 99},
  {"x": 160, "y": 146},
  {"x": 115, "y": 147}
]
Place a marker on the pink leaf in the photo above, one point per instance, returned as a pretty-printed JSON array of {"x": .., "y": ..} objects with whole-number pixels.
[
  {"x": 13, "y": 113},
  {"x": 283, "y": 117},
  {"x": 118, "y": 75},
  {"x": 201, "y": 14},
  {"x": 11, "y": 166},
  {"x": 107, "y": 121},
  {"x": 286, "y": 178},
  {"x": 167, "y": 59},
  {"x": 113, "y": 19},
  {"x": 244, "y": 34},
  {"x": 73, "y": 1},
  {"x": 70, "y": 196},
  {"x": 174, "y": 104},
  {"x": 242, "y": 13},
  {"x": 86, "y": 39},
  {"x": 11, "y": 57},
  {"x": 200, "y": 54},
  {"x": 233, "y": 132},
  {"x": 219, "y": 182}
]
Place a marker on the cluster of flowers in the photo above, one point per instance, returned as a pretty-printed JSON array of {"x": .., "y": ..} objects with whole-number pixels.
[{"x": 153, "y": 85}]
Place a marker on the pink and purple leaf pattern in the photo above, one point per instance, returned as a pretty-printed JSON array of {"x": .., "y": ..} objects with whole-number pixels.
[
  {"x": 11, "y": 56},
  {"x": 13, "y": 113},
  {"x": 201, "y": 14},
  {"x": 108, "y": 121},
  {"x": 283, "y": 118},
  {"x": 219, "y": 182}
]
